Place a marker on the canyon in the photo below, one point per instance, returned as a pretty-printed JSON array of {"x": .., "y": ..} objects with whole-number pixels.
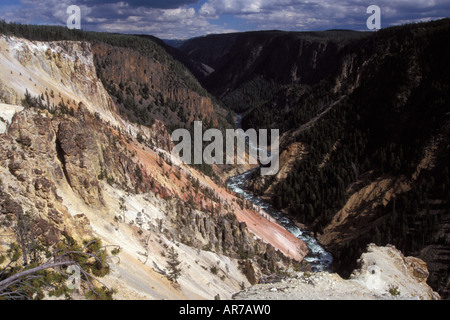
[{"x": 86, "y": 153}]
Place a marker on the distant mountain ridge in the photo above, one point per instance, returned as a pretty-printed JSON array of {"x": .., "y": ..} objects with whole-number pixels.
[{"x": 285, "y": 57}]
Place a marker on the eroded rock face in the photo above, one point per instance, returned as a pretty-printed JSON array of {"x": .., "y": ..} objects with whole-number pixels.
[
  {"x": 418, "y": 268},
  {"x": 78, "y": 152},
  {"x": 64, "y": 67},
  {"x": 225, "y": 235},
  {"x": 160, "y": 137},
  {"x": 41, "y": 154},
  {"x": 52, "y": 164},
  {"x": 8, "y": 95},
  {"x": 30, "y": 176},
  {"x": 360, "y": 210}
]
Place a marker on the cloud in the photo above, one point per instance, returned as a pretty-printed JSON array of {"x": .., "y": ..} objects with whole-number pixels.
[
  {"x": 322, "y": 14},
  {"x": 183, "y": 22},
  {"x": 158, "y": 4},
  {"x": 189, "y": 18},
  {"x": 164, "y": 19}
]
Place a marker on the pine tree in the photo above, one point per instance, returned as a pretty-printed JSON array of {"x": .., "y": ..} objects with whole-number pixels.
[{"x": 172, "y": 265}]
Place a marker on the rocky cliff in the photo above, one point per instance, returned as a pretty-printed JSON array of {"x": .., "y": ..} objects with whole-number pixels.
[{"x": 59, "y": 70}]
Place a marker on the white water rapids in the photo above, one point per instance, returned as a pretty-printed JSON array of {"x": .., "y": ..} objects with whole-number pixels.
[{"x": 318, "y": 258}]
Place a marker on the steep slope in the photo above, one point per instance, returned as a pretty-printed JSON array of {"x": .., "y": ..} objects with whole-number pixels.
[
  {"x": 169, "y": 92},
  {"x": 83, "y": 171},
  {"x": 149, "y": 89},
  {"x": 198, "y": 69},
  {"x": 75, "y": 188},
  {"x": 65, "y": 69},
  {"x": 210, "y": 49}
]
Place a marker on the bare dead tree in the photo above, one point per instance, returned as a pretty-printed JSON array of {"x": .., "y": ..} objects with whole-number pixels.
[
  {"x": 145, "y": 255},
  {"x": 27, "y": 275}
]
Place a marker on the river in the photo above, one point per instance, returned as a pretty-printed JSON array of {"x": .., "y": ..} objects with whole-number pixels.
[{"x": 318, "y": 258}]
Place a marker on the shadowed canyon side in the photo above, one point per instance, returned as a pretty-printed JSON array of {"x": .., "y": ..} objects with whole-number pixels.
[
  {"x": 78, "y": 163},
  {"x": 365, "y": 132}
]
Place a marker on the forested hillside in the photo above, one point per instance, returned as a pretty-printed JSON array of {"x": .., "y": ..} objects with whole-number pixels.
[{"x": 372, "y": 112}]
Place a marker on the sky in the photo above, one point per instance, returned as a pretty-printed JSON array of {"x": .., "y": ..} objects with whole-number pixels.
[{"x": 183, "y": 19}]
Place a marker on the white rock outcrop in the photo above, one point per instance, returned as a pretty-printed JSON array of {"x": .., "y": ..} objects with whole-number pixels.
[{"x": 384, "y": 273}]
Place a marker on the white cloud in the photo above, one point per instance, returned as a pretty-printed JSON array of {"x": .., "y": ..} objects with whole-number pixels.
[
  {"x": 321, "y": 14},
  {"x": 163, "y": 23},
  {"x": 214, "y": 7}
]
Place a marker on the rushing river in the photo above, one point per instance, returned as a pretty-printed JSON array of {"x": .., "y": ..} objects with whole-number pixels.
[{"x": 318, "y": 258}]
